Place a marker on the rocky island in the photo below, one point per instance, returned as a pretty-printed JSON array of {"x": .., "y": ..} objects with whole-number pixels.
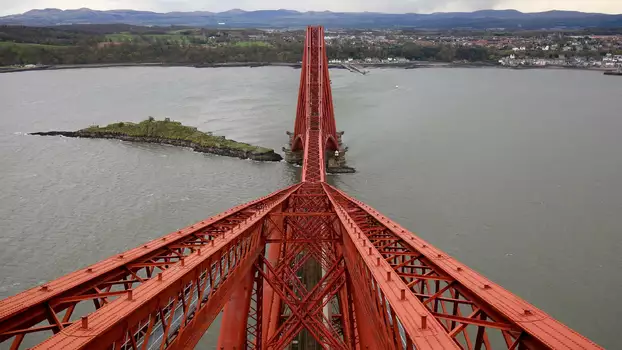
[{"x": 169, "y": 132}]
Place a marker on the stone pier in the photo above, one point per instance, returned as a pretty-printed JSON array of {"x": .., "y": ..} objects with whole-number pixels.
[{"x": 335, "y": 162}]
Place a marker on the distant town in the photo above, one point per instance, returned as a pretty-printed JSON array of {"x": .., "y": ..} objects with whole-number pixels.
[{"x": 523, "y": 49}]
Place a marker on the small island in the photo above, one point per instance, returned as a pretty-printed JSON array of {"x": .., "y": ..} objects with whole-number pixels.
[{"x": 171, "y": 133}]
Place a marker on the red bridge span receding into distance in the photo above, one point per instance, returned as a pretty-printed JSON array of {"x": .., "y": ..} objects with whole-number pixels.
[{"x": 306, "y": 267}]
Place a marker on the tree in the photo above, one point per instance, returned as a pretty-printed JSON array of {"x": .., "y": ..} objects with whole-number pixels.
[{"x": 446, "y": 54}]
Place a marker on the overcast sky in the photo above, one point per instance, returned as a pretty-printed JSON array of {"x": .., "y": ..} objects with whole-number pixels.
[{"x": 394, "y": 6}]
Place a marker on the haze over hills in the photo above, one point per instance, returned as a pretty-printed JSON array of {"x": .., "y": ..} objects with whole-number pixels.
[{"x": 509, "y": 19}]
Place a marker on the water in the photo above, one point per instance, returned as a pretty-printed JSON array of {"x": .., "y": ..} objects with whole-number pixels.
[{"x": 516, "y": 173}]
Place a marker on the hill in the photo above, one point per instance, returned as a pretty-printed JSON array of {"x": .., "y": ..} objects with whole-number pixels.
[{"x": 508, "y": 19}]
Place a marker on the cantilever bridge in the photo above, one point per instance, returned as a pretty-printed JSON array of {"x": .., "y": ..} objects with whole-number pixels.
[{"x": 305, "y": 267}]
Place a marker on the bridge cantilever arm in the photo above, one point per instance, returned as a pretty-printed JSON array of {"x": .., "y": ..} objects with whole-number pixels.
[
  {"x": 23, "y": 313},
  {"x": 443, "y": 286},
  {"x": 178, "y": 306}
]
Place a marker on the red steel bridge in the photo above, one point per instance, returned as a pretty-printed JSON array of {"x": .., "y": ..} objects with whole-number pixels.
[{"x": 373, "y": 284}]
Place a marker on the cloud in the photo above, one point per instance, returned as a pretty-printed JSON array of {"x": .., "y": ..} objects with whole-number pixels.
[{"x": 395, "y": 6}]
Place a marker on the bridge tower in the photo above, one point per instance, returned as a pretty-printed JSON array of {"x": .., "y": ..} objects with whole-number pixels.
[
  {"x": 315, "y": 111},
  {"x": 307, "y": 263}
]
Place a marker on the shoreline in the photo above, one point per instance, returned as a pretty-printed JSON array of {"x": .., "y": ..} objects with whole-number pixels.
[
  {"x": 405, "y": 65},
  {"x": 228, "y": 152}
]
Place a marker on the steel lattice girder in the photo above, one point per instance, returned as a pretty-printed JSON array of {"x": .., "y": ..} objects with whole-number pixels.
[
  {"x": 313, "y": 168},
  {"x": 306, "y": 311},
  {"x": 304, "y": 231},
  {"x": 445, "y": 288},
  {"x": 19, "y": 313},
  {"x": 254, "y": 323}
]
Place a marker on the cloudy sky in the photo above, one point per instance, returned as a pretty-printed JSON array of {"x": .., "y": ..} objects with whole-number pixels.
[{"x": 394, "y": 6}]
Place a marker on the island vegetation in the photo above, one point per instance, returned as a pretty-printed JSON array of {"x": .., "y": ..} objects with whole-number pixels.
[{"x": 173, "y": 133}]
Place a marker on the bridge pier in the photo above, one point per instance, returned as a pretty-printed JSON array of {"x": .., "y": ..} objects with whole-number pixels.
[{"x": 336, "y": 163}]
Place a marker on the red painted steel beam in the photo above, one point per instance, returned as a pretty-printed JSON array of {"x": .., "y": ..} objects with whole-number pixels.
[
  {"x": 254, "y": 323},
  {"x": 305, "y": 310},
  {"x": 235, "y": 315},
  {"x": 498, "y": 308},
  {"x": 201, "y": 285},
  {"x": 303, "y": 232},
  {"x": 271, "y": 302},
  {"x": 29, "y": 308},
  {"x": 316, "y": 71},
  {"x": 300, "y": 124},
  {"x": 379, "y": 298}
]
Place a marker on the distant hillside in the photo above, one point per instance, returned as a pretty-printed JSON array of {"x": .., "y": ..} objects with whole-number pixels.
[{"x": 509, "y": 19}]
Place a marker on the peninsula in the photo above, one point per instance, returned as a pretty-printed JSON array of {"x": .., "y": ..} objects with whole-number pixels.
[{"x": 169, "y": 132}]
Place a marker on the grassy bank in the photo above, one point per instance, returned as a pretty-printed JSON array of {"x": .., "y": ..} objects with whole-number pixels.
[{"x": 173, "y": 130}]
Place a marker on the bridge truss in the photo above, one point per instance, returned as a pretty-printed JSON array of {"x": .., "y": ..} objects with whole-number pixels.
[{"x": 307, "y": 264}]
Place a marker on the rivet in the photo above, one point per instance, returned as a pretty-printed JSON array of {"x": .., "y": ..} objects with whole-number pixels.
[
  {"x": 424, "y": 246},
  {"x": 487, "y": 286},
  {"x": 439, "y": 255},
  {"x": 145, "y": 246},
  {"x": 89, "y": 269},
  {"x": 45, "y": 288},
  {"x": 458, "y": 268},
  {"x": 85, "y": 322},
  {"x": 120, "y": 256},
  {"x": 179, "y": 231},
  {"x": 164, "y": 238},
  {"x": 528, "y": 312}
]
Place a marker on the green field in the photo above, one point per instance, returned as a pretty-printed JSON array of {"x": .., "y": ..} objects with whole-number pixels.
[
  {"x": 30, "y": 46},
  {"x": 120, "y": 37},
  {"x": 127, "y": 37},
  {"x": 252, "y": 43}
]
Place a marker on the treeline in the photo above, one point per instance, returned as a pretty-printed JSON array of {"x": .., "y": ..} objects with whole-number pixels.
[
  {"x": 285, "y": 52},
  {"x": 134, "y": 53},
  {"x": 46, "y": 36}
]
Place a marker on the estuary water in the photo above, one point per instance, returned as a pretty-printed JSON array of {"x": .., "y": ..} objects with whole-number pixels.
[{"x": 516, "y": 173}]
